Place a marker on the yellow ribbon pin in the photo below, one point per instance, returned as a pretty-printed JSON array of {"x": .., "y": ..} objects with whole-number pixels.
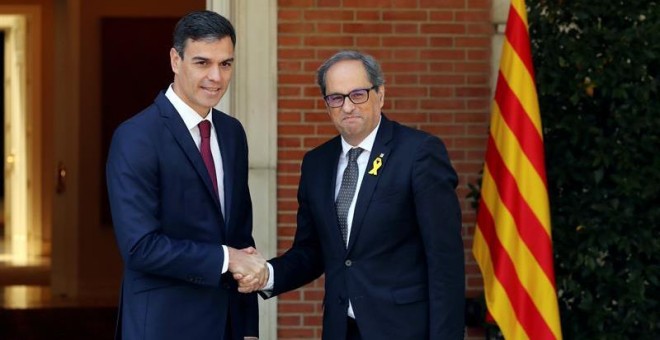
[{"x": 378, "y": 162}]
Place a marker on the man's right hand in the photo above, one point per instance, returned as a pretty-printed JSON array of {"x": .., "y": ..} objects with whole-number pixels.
[{"x": 248, "y": 268}]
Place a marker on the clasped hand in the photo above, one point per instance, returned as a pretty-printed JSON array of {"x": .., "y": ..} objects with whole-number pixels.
[{"x": 249, "y": 268}]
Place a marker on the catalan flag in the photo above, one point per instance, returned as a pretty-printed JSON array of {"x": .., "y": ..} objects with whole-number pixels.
[{"x": 512, "y": 240}]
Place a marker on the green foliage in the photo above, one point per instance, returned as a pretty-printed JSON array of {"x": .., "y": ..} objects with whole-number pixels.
[{"x": 597, "y": 68}]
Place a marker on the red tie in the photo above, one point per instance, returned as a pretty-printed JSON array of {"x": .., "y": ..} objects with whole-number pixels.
[{"x": 205, "y": 150}]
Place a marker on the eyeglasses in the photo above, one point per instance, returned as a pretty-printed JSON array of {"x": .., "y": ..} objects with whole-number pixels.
[{"x": 358, "y": 96}]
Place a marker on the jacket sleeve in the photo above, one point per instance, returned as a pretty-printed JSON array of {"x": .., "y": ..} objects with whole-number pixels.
[
  {"x": 132, "y": 173},
  {"x": 439, "y": 217}
]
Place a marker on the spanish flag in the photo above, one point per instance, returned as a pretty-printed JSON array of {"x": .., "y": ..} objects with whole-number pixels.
[{"x": 512, "y": 240}]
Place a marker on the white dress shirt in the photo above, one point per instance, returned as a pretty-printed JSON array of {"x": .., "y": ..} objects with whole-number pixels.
[{"x": 192, "y": 119}]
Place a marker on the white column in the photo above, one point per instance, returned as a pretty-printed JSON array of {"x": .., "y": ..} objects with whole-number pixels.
[
  {"x": 253, "y": 100},
  {"x": 499, "y": 17}
]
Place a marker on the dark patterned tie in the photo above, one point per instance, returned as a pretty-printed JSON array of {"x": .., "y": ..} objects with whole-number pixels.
[
  {"x": 205, "y": 150},
  {"x": 347, "y": 191}
]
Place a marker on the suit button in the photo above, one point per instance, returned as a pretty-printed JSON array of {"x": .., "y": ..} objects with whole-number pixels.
[{"x": 348, "y": 263}]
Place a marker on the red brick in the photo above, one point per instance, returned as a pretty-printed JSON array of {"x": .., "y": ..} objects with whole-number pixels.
[
  {"x": 405, "y": 42},
  {"x": 289, "y": 15},
  {"x": 443, "y": 104},
  {"x": 439, "y": 92},
  {"x": 289, "y": 66},
  {"x": 296, "y": 79},
  {"x": 482, "y": 68},
  {"x": 472, "y": 16},
  {"x": 445, "y": 4},
  {"x": 313, "y": 320},
  {"x": 470, "y": 118},
  {"x": 480, "y": 4},
  {"x": 444, "y": 79},
  {"x": 329, "y": 15},
  {"x": 443, "y": 28},
  {"x": 398, "y": 4},
  {"x": 289, "y": 117},
  {"x": 283, "y": 218},
  {"x": 296, "y": 28},
  {"x": 481, "y": 42},
  {"x": 408, "y": 117},
  {"x": 368, "y": 15},
  {"x": 406, "y": 28},
  {"x": 295, "y": 103},
  {"x": 405, "y": 67},
  {"x": 411, "y": 54},
  {"x": 368, "y": 41},
  {"x": 331, "y": 40},
  {"x": 328, "y": 27},
  {"x": 482, "y": 28},
  {"x": 405, "y": 15},
  {"x": 368, "y": 3},
  {"x": 479, "y": 55},
  {"x": 401, "y": 91},
  {"x": 328, "y": 3},
  {"x": 473, "y": 92},
  {"x": 294, "y": 53},
  {"x": 400, "y": 104},
  {"x": 294, "y": 3},
  {"x": 441, "y": 16},
  {"x": 289, "y": 320},
  {"x": 480, "y": 105},
  {"x": 367, "y": 28},
  {"x": 442, "y": 42},
  {"x": 289, "y": 41},
  {"x": 443, "y": 54},
  {"x": 295, "y": 333},
  {"x": 288, "y": 142}
]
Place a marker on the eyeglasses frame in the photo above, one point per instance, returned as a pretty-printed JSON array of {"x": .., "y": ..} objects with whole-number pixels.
[{"x": 343, "y": 101}]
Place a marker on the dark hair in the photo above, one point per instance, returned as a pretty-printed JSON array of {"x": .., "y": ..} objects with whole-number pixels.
[
  {"x": 201, "y": 25},
  {"x": 372, "y": 67}
]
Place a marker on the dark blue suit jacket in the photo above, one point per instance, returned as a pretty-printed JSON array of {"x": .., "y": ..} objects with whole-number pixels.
[
  {"x": 403, "y": 270},
  {"x": 170, "y": 228}
]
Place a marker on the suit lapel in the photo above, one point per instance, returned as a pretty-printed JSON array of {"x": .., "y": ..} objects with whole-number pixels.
[
  {"x": 330, "y": 173},
  {"x": 177, "y": 127},
  {"x": 369, "y": 181},
  {"x": 227, "y": 139}
]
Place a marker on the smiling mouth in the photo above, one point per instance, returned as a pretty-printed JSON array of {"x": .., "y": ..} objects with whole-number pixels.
[{"x": 211, "y": 89}]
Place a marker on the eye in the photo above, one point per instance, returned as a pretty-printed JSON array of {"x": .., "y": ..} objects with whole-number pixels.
[
  {"x": 334, "y": 98},
  {"x": 226, "y": 65},
  {"x": 358, "y": 95}
]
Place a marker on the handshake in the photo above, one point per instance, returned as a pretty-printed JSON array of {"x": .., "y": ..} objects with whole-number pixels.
[{"x": 248, "y": 268}]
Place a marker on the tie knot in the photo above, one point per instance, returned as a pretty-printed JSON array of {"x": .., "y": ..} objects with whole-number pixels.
[
  {"x": 354, "y": 153},
  {"x": 205, "y": 128}
]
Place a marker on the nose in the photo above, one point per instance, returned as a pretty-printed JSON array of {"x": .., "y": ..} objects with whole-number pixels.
[
  {"x": 215, "y": 74},
  {"x": 348, "y": 105}
]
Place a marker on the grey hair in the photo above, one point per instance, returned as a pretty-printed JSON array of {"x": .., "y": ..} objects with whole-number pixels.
[{"x": 370, "y": 64}]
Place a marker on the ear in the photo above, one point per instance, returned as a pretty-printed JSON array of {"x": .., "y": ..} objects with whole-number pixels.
[
  {"x": 381, "y": 95},
  {"x": 175, "y": 60}
]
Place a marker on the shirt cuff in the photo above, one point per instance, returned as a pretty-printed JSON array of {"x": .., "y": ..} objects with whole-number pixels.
[
  {"x": 225, "y": 261},
  {"x": 271, "y": 279}
]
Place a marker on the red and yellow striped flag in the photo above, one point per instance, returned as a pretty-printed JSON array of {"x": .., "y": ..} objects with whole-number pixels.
[{"x": 512, "y": 241}]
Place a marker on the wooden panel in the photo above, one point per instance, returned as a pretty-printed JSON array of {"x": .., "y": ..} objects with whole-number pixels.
[{"x": 135, "y": 68}]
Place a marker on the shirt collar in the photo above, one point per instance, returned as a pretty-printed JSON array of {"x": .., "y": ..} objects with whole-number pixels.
[
  {"x": 367, "y": 144},
  {"x": 190, "y": 117}
]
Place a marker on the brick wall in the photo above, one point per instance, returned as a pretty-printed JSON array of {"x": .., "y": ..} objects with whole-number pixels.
[{"x": 436, "y": 58}]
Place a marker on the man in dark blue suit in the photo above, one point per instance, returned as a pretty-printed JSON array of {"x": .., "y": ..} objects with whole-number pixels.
[
  {"x": 181, "y": 207},
  {"x": 378, "y": 214}
]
